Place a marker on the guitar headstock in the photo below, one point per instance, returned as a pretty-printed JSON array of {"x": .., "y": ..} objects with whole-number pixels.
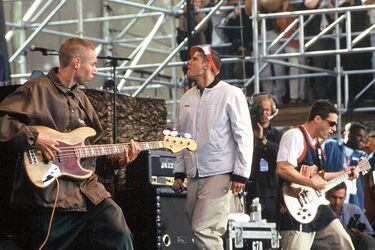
[
  {"x": 363, "y": 166},
  {"x": 176, "y": 143}
]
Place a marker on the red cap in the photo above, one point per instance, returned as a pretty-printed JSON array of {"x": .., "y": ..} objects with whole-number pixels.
[{"x": 212, "y": 56}]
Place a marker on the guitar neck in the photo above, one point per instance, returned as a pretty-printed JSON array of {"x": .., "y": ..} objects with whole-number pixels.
[
  {"x": 362, "y": 166},
  {"x": 109, "y": 149},
  {"x": 335, "y": 181}
]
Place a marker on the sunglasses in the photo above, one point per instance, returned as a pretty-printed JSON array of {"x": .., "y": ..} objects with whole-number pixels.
[{"x": 331, "y": 123}]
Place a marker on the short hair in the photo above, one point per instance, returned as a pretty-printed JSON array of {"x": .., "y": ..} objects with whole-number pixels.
[
  {"x": 73, "y": 47},
  {"x": 260, "y": 97},
  {"x": 322, "y": 108},
  {"x": 355, "y": 126},
  {"x": 342, "y": 185}
]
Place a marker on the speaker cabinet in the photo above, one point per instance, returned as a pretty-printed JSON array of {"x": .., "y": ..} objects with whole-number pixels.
[
  {"x": 152, "y": 167},
  {"x": 156, "y": 217}
]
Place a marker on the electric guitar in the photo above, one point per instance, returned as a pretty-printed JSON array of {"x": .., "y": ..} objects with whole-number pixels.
[
  {"x": 42, "y": 172},
  {"x": 303, "y": 202}
]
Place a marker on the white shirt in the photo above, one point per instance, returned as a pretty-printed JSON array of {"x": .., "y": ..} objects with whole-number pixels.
[{"x": 292, "y": 145}]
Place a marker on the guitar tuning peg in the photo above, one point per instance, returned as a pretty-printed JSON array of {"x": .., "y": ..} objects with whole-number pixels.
[
  {"x": 187, "y": 136},
  {"x": 174, "y": 133},
  {"x": 166, "y": 132}
]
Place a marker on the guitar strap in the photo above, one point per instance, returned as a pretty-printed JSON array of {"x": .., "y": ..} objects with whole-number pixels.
[{"x": 317, "y": 148}]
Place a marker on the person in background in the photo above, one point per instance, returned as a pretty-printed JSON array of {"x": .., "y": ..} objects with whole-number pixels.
[
  {"x": 264, "y": 181},
  {"x": 352, "y": 218},
  {"x": 341, "y": 154},
  {"x": 297, "y": 85},
  {"x": 322, "y": 87}
]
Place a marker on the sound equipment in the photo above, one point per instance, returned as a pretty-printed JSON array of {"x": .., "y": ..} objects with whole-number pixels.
[
  {"x": 151, "y": 168},
  {"x": 251, "y": 236},
  {"x": 156, "y": 217}
]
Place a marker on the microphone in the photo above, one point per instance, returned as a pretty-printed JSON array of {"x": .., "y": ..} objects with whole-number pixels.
[
  {"x": 273, "y": 115},
  {"x": 114, "y": 58},
  {"x": 44, "y": 51}
]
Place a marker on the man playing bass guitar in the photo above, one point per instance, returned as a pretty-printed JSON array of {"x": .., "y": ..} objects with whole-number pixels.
[{"x": 86, "y": 217}]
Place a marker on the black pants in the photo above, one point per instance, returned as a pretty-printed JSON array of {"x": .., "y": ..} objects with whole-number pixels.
[{"x": 102, "y": 227}]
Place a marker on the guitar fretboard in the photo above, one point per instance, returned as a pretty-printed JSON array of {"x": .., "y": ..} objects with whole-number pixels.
[
  {"x": 109, "y": 149},
  {"x": 362, "y": 166}
]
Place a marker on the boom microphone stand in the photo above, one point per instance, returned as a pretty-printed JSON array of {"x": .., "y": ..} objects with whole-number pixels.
[{"x": 113, "y": 63}]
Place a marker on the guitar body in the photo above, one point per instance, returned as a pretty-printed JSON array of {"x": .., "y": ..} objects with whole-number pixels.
[
  {"x": 303, "y": 202},
  {"x": 42, "y": 172}
]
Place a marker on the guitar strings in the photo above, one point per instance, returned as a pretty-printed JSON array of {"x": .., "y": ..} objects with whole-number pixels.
[{"x": 72, "y": 150}]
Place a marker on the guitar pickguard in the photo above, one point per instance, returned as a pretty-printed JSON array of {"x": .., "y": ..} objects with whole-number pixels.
[{"x": 52, "y": 173}]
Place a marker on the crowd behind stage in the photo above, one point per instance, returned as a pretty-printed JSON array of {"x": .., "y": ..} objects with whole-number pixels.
[{"x": 224, "y": 28}]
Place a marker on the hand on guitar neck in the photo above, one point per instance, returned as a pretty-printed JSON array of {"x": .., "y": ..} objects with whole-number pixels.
[
  {"x": 129, "y": 154},
  {"x": 354, "y": 174},
  {"x": 47, "y": 145}
]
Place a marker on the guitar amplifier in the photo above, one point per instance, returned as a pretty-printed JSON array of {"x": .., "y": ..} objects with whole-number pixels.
[
  {"x": 153, "y": 168},
  {"x": 156, "y": 217},
  {"x": 251, "y": 235}
]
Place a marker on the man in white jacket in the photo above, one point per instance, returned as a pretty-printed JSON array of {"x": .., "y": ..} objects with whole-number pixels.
[{"x": 217, "y": 116}]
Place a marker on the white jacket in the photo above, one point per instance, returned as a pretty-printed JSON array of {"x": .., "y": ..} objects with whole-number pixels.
[{"x": 219, "y": 122}]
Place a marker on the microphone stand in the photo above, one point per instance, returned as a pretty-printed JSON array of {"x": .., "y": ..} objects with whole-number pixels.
[{"x": 113, "y": 63}]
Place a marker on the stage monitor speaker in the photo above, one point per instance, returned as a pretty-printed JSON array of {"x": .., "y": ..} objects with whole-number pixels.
[
  {"x": 151, "y": 168},
  {"x": 156, "y": 217}
]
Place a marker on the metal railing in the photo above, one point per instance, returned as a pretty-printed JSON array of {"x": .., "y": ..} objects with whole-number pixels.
[{"x": 142, "y": 46}]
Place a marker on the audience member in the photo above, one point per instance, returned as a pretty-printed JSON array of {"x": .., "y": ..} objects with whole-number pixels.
[
  {"x": 277, "y": 87},
  {"x": 370, "y": 145},
  {"x": 352, "y": 218},
  {"x": 201, "y": 37},
  {"x": 296, "y": 85},
  {"x": 357, "y": 61},
  {"x": 341, "y": 154},
  {"x": 238, "y": 29},
  {"x": 323, "y": 87},
  {"x": 371, "y": 14}
]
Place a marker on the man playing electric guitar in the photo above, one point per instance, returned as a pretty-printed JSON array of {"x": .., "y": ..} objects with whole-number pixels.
[{"x": 300, "y": 160}]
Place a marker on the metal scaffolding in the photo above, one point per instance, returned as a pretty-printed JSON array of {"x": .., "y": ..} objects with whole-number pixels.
[
  {"x": 342, "y": 15},
  {"x": 159, "y": 41}
]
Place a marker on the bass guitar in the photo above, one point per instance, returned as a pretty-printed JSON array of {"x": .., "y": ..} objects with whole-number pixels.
[
  {"x": 42, "y": 172},
  {"x": 303, "y": 202}
]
